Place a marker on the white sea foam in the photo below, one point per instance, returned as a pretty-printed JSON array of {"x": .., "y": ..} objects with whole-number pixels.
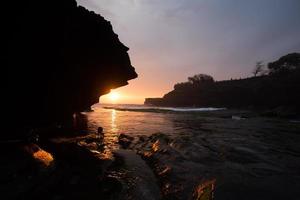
[{"x": 155, "y": 108}]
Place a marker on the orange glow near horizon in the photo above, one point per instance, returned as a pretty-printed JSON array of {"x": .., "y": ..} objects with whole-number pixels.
[
  {"x": 114, "y": 96},
  {"x": 134, "y": 93}
]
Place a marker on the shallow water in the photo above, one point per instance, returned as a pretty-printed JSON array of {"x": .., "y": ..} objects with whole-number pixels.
[
  {"x": 246, "y": 157},
  {"x": 134, "y": 123}
]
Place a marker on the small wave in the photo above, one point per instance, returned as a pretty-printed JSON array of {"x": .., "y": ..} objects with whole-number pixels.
[{"x": 161, "y": 109}]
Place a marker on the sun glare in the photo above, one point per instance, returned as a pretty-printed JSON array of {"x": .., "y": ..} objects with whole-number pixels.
[{"x": 114, "y": 96}]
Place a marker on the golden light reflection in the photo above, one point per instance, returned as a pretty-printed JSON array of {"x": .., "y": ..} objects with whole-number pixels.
[
  {"x": 114, "y": 127},
  {"x": 105, "y": 155},
  {"x": 205, "y": 191},
  {"x": 44, "y": 157},
  {"x": 110, "y": 137},
  {"x": 156, "y": 146}
]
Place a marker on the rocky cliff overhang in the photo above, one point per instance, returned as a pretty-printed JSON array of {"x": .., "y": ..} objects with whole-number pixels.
[{"x": 59, "y": 58}]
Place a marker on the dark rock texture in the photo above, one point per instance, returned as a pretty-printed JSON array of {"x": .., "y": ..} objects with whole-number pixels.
[{"x": 58, "y": 59}]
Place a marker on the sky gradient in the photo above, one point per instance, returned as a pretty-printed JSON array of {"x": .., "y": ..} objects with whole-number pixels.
[{"x": 170, "y": 40}]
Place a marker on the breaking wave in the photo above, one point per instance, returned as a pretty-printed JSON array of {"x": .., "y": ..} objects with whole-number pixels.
[{"x": 142, "y": 108}]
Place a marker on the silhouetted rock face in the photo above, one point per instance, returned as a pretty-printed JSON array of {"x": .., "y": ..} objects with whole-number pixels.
[
  {"x": 59, "y": 58},
  {"x": 278, "y": 91},
  {"x": 264, "y": 92}
]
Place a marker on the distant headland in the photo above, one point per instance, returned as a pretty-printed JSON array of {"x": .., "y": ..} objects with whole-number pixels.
[{"x": 274, "y": 85}]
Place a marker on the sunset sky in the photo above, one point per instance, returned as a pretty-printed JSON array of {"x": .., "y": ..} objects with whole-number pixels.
[{"x": 170, "y": 40}]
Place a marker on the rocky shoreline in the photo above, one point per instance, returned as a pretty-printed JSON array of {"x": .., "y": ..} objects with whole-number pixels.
[
  {"x": 236, "y": 156},
  {"x": 79, "y": 168}
]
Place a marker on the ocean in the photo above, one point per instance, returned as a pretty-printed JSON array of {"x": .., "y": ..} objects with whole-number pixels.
[
  {"x": 140, "y": 120},
  {"x": 237, "y": 154}
]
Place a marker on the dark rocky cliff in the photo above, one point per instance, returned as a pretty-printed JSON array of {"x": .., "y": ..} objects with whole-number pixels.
[{"x": 58, "y": 59}]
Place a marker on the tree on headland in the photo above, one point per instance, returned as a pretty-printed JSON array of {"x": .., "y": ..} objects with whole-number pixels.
[
  {"x": 182, "y": 86},
  {"x": 287, "y": 63},
  {"x": 201, "y": 78},
  {"x": 259, "y": 68},
  {"x": 195, "y": 80}
]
